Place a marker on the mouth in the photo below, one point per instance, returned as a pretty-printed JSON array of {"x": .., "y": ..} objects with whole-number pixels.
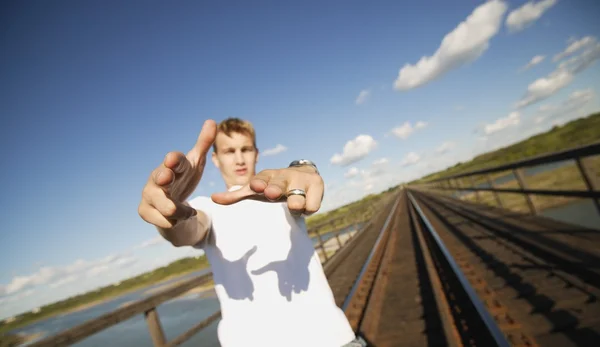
[{"x": 241, "y": 172}]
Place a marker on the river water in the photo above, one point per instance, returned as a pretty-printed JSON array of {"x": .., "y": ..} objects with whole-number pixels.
[{"x": 176, "y": 316}]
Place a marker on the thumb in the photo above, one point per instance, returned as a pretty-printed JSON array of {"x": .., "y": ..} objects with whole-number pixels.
[
  {"x": 228, "y": 198},
  {"x": 205, "y": 140}
]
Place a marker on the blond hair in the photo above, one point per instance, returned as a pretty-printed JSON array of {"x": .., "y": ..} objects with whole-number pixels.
[{"x": 236, "y": 125}]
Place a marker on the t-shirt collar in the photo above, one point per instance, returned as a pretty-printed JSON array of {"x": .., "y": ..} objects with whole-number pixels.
[{"x": 236, "y": 187}]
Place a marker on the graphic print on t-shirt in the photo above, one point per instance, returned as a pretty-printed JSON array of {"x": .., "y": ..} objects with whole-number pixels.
[{"x": 292, "y": 272}]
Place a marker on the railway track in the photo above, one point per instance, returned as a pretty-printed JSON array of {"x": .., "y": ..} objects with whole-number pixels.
[{"x": 428, "y": 272}]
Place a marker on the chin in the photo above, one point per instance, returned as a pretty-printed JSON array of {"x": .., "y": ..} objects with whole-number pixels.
[{"x": 242, "y": 180}]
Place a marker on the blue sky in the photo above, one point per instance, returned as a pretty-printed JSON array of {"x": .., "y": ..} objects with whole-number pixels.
[{"x": 94, "y": 93}]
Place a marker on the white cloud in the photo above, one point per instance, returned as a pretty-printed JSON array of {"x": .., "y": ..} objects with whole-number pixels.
[
  {"x": 445, "y": 147},
  {"x": 544, "y": 87},
  {"x": 545, "y": 108},
  {"x": 575, "y": 46},
  {"x": 514, "y": 118},
  {"x": 568, "y": 108},
  {"x": 54, "y": 275},
  {"x": 381, "y": 161},
  {"x": 354, "y": 150},
  {"x": 533, "y": 62},
  {"x": 63, "y": 281},
  {"x": 273, "y": 151},
  {"x": 368, "y": 175},
  {"x": 157, "y": 240},
  {"x": 464, "y": 44},
  {"x": 539, "y": 119},
  {"x": 352, "y": 172},
  {"x": 562, "y": 76},
  {"x": 406, "y": 129},
  {"x": 379, "y": 176},
  {"x": 17, "y": 297},
  {"x": 363, "y": 96},
  {"x": 527, "y": 14},
  {"x": 578, "y": 98},
  {"x": 411, "y": 159},
  {"x": 581, "y": 62}
]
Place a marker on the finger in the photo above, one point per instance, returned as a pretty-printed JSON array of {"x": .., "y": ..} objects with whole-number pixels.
[
  {"x": 314, "y": 197},
  {"x": 173, "y": 210},
  {"x": 205, "y": 139},
  {"x": 170, "y": 209},
  {"x": 276, "y": 188},
  {"x": 228, "y": 198},
  {"x": 260, "y": 181},
  {"x": 177, "y": 162},
  {"x": 296, "y": 203},
  {"x": 154, "y": 217},
  {"x": 163, "y": 177}
]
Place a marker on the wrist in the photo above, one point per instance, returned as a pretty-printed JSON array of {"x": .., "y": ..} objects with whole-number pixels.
[{"x": 304, "y": 163}]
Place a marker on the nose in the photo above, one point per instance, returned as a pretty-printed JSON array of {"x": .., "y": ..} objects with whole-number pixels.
[{"x": 239, "y": 158}]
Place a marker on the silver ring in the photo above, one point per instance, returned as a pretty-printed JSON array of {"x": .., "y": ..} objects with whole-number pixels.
[{"x": 296, "y": 192}]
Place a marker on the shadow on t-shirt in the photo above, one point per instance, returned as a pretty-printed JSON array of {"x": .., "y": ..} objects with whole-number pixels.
[
  {"x": 233, "y": 275},
  {"x": 292, "y": 272}
]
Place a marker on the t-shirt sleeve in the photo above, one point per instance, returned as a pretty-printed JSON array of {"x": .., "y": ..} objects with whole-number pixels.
[{"x": 204, "y": 204}]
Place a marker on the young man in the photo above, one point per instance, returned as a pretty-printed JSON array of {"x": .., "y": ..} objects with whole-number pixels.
[{"x": 268, "y": 277}]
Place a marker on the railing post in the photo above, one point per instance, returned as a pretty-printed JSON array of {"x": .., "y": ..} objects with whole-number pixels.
[
  {"x": 518, "y": 173},
  {"x": 477, "y": 197},
  {"x": 156, "y": 331},
  {"x": 591, "y": 181},
  {"x": 459, "y": 190},
  {"x": 451, "y": 188},
  {"x": 321, "y": 245},
  {"x": 337, "y": 237},
  {"x": 496, "y": 196}
]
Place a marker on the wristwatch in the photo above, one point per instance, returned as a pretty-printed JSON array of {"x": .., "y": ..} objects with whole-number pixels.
[{"x": 303, "y": 162}]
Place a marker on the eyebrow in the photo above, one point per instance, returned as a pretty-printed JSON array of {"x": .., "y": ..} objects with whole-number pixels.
[{"x": 243, "y": 147}]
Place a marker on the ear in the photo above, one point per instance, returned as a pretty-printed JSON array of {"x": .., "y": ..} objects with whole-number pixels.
[{"x": 215, "y": 160}]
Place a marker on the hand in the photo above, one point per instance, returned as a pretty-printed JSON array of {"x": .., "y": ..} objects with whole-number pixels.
[
  {"x": 172, "y": 182},
  {"x": 274, "y": 184}
]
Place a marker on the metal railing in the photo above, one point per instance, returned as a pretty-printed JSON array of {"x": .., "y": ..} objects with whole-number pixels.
[
  {"x": 148, "y": 307},
  {"x": 582, "y": 157}
]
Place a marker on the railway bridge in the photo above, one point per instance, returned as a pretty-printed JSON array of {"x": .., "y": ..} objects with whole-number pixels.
[{"x": 464, "y": 260}]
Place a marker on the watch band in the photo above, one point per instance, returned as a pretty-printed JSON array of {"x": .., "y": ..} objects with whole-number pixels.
[{"x": 303, "y": 162}]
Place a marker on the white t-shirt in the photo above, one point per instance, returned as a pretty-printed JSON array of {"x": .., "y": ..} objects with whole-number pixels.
[{"x": 268, "y": 278}]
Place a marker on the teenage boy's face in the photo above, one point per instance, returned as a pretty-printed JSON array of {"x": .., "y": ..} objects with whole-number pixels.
[{"x": 236, "y": 158}]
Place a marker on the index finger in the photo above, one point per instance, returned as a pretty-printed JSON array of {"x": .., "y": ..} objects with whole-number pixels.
[
  {"x": 177, "y": 162},
  {"x": 228, "y": 198},
  {"x": 206, "y": 138}
]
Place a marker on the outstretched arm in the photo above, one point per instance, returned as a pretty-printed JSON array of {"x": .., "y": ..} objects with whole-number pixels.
[{"x": 163, "y": 202}]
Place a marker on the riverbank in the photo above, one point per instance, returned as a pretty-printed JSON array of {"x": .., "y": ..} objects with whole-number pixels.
[
  {"x": 10, "y": 340},
  {"x": 88, "y": 300},
  {"x": 128, "y": 291}
]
